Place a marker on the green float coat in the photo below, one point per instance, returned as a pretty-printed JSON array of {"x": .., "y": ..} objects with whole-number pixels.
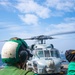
[
  {"x": 71, "y": 69},
  {"x": 10, "y": 70}
]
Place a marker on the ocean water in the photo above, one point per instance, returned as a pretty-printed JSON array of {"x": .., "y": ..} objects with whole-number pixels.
[
  {"x": 63, "y": 58},
  {"x": 1, "y": 63}
]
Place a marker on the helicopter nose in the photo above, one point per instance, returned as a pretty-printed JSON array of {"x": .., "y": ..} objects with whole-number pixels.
[
  {"x": 50, "y": 66},
  {"x": 50, "y": 63}
]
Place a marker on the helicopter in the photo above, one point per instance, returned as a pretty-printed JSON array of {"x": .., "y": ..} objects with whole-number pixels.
[{"x": 46, "y": 58}]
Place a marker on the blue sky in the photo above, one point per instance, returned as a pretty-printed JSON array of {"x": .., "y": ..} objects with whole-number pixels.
[{"x": 28, "y": 18}]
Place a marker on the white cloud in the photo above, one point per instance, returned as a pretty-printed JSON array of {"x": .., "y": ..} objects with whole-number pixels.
[
  {"x": 4, "y": 2},
  {"x": 22, "y": 34},
  {"x": 7, "y": 5},
  {"x": 32, "y": 7},
  {"x": 51, "y": 3},
  {"x": 72, "y": 19},
  {"x": 14, "y": 28},
  {"x": 65, "y": 27},
  {"x": 29, "y": 19},
  {"x": 9, "y": 26},
  {"x": 66, "y": 5},
  {"x": 62, "y": 27}
]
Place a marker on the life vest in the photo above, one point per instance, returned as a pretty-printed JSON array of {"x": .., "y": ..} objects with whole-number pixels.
[
  {"x": 71, "y": 68},
  {"x": 10, "y": 70}
]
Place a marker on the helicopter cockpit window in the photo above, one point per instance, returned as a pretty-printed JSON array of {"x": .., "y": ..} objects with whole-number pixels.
[
  {"x": 40, "y": 54},
  {"x": 47, "y": 54},
  {"x": 39, "y": 49},
  {"x": 55, "y": 54}
]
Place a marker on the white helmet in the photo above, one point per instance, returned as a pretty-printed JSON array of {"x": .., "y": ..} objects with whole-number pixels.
[{"x": 14, "y": 51}]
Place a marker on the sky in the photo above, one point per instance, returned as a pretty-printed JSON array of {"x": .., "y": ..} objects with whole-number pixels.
[{"x": 29, "y": 18}]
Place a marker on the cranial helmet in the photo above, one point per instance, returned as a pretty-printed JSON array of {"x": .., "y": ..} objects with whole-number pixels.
[
  {"x": 14, "y": 51},
  {"x": 70, "y": 55}
]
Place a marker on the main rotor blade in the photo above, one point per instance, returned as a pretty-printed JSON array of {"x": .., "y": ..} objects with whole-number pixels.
[
  {"x": 40, "y": 37},
  {"x": 28, "y": 39},
  {"x": 63, "y": 33},
  {"x": 4, "y": 41},
  {"x": 45, "y": 37}
]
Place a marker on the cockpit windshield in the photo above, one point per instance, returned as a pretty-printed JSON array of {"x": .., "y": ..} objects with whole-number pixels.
[
  {"x": 48, "y": 53},
  {"x": 55, "y": 54},
  {"x": 40, "y": 54}
]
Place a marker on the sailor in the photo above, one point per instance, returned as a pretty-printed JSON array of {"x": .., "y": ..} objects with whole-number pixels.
[
  {"x": 70, "y": 56},
  {"x": 15, "y": 54}
]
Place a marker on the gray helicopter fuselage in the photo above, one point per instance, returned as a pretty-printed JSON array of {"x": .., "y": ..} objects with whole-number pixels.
[{"x": 45, "y": 59}]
